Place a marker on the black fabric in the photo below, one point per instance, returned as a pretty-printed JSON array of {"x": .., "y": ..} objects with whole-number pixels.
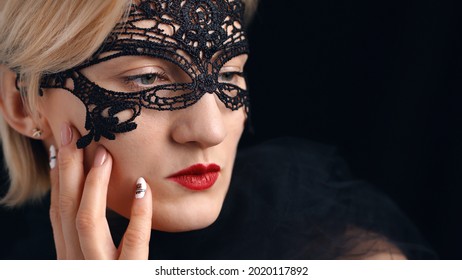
[
  {"x": 292, "y": 199},
  {"x": 26, "y": 233},
  {"x": 288, "y": 199}
]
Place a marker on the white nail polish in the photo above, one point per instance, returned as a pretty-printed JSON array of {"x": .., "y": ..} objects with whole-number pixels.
[
  {"x": 52, "y": 157},
  {"x": 140, "y": 188}
]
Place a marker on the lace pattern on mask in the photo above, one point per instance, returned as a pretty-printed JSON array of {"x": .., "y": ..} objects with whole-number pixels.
[{"x": 198, "y": 36}]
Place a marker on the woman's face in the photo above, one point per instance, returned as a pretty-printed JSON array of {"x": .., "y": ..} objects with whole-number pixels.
[
  {"x": 180, "y": 66},
  {"x": 164, "y": 142}
]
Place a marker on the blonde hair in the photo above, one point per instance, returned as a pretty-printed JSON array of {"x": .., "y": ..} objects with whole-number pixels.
[{"x": 41, "y": 37}]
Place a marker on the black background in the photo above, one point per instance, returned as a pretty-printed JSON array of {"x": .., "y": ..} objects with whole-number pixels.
[{"x": 381, "y": 80}]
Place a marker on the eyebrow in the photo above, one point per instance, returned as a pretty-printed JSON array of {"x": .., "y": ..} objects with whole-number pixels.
[{"x": 133, "y": 60}]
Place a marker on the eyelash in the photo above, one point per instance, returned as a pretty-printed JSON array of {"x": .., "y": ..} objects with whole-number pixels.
[
  {"x": 232, "y": 73},
  {"x": 129, "y": 80},
  {"x": 238, "y": 73}
]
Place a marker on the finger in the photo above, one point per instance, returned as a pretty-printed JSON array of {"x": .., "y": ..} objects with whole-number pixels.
[
  {"x": 94, "y": 234},
  {"x": 135, "y": 243},
  {"x": 55, "y": 216},
  {"x": 71, "y": 178}
]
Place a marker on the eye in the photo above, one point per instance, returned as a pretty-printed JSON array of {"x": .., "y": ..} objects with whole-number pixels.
[
  {"x": 147, "y": 79},
  {"x": 144, "y": 81},
  {"x": 230, "y": 76}
]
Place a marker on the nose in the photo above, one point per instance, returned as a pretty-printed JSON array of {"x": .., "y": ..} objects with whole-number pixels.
[{"x": 201, "y": 124}]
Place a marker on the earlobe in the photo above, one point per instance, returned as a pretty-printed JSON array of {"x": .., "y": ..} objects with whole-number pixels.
[{"x": 12, "y": 107}]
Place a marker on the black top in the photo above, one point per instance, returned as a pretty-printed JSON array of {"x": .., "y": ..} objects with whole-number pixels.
[{"x": 288, "y": 199}]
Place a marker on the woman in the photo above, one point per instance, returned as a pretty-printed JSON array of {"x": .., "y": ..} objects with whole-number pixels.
[{"x": 141, "y": 106}]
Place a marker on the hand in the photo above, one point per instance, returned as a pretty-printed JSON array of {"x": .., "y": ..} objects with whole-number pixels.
[{"x": 78, "y": 207}]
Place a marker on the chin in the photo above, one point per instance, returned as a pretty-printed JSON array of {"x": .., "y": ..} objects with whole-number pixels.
[
  {"x": 194, "y": 219},
  {"x": 189, "y": 226}
]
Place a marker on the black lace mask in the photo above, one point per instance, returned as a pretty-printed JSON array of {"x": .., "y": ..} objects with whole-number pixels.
[{"x": 197, "y": 36}]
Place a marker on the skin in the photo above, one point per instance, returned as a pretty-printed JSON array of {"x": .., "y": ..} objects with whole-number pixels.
[
  {"x": 85, "y": 182},
  {"x": 102, "y": 175}
]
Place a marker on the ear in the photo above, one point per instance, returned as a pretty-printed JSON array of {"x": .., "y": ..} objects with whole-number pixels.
[{"x": 12, "y": 107}]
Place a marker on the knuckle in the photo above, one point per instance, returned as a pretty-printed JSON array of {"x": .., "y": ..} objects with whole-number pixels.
[
  {"x": 65, "y": 159},
  {"x": 54, "y": 215},
  {"x": 67, "y": 206},
  {"x": 85, "y": 222},
  {"x": 135, "y": 238},
  {"x": 94, "y": 179}
]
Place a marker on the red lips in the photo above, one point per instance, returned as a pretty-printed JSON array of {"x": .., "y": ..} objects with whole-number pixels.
[{"x": 197, "y": 177}]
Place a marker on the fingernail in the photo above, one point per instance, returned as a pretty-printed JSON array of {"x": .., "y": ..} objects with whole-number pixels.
[
  {"x": 52, "y": 157},
  {"x": 100, "y": 156},
  {"x": 66, "y": 134},
  {"x": 140, "y": 188}
]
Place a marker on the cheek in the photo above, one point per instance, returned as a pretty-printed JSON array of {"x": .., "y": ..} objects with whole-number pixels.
[
  {"x": 236, "y": 125},
  {"x": 149, "y": 151},
  {"x": 58, "y": 106},
  {"x": 143, "y": 152}
]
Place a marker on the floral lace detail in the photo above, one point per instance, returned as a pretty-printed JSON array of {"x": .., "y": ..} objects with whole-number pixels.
[{"x": 198, "y": 36}]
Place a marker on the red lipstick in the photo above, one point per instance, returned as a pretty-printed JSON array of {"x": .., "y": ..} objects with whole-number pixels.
[{"x": 197, "y": 177}]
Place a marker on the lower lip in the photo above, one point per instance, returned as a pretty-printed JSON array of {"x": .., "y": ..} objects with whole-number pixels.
[{"x": 196, "y": 182}]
